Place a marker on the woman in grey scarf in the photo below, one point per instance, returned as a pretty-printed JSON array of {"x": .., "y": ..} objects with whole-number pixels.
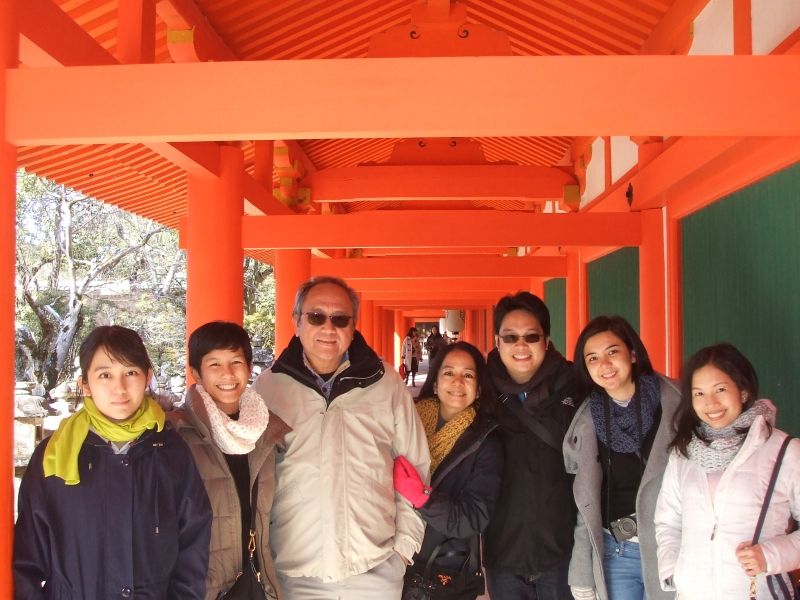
[{"x": 724, "y": 453}]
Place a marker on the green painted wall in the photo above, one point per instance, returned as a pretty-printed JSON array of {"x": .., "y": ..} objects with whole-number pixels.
[
  {"x": 555, "y": 296},
  {"x": 741, "y": 284},
  {"x": 613, "y": 283}
]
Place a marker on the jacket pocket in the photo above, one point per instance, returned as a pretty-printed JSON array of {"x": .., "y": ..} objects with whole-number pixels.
[
  {"x": 286, "y": 499},
  {"x": 59, "y": 589}
]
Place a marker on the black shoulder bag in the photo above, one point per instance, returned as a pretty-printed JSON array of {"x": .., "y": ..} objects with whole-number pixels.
[
  {"x": 771, "y": 579},
  {"x": 442, "y": 583},
  {"x": 248, "y": 583}
]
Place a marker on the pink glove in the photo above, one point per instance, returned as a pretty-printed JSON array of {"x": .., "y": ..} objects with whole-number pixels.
[{"x": 408, "y": 484}]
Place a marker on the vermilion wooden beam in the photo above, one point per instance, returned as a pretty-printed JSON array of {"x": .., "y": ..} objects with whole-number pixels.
[
  {"x": 436, "y": 182},
  {"x": 499, "y": 251},
  {"x": 380, "y": 229},
  {"x": 48, "y": 27},
  {"x": 196, "y": 158},
  {"x": 202, "y": 158},
  {"x": 673, "y": 26},
  {"x": 407, "y": 97},
  {"x": 261, "y": 197},
  {"x": 190, "y": 36},
  {"x": 443, "y": 284},
  {"x": 437, "y": 304},
  {"x": 750, "y": 160},
  {"x": 438, "y": 266},
  {"x": 424, "y": 314},
  {"x": 688, "y": 164},
  {"x": 427, "y": 299},
  {"x": 136, "y": 31}
]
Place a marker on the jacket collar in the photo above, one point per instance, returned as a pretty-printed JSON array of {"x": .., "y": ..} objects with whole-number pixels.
[
  {"x": 548, "y": 374},
  {"x": 365, "y": 367}
]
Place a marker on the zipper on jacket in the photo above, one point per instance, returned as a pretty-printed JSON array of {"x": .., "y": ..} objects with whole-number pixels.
[{"x": 714, "y": 531}]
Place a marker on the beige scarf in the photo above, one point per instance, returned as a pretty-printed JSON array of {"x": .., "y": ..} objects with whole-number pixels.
[
  {"x": 240, "y": 436},
  {"x": 441, "y": 442}
]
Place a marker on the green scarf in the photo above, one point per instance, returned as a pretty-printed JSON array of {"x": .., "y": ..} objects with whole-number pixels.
[{"x": 61, "y": 453}]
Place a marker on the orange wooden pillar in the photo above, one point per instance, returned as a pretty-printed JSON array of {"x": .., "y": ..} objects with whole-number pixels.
[
  {"x": 489, "y": 329},
  {"x": 470, "y": 326},
  {"x": 537, "y": 287},
  {"x": 366, "y": 323},
  {"x": 377, "y": 330},
  {"x": 292, "y": 267},
  {"x": 9, "y": 45},
  {"x": 480, "y": 329},
  {"x": 674, "y": 298},
  {"x": 469, "y": 322},
  {"x": 214, "y": 243},
  {"x": 577, "y": 300},
  {"x": 653, "y": 287},
  {"x": 389, "y": 343},
  {"x": 400, "y": 330}
]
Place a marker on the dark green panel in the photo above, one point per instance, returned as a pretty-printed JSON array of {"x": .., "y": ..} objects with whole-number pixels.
[
  {"x": 741, "y": 284},
  {"x": 555, "y": 296},
  {"x": 614, "y": 285}
]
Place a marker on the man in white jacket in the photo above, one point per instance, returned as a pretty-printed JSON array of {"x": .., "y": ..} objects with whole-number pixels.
[{"x": 338, "y": 530}]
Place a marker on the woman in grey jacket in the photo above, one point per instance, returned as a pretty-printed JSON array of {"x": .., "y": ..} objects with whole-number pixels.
[{"x": 617, "y": 448}]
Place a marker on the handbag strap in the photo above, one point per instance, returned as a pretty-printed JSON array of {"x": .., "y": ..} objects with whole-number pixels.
[
  {"x": 770, "y": 488},
  {"x": 427, "y": 572},
  {"x": 531, "y": 422},
  {"x": 472, "y": 561},
  {"x": 251, "y": 544}
]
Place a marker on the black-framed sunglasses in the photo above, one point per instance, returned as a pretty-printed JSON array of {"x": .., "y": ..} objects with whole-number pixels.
[
  {"x": 317, "y": 318},
  {"x": 530, "y": 338}
]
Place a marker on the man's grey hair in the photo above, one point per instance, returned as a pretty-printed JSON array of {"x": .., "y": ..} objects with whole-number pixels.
[{"x": 306, "y": 287}]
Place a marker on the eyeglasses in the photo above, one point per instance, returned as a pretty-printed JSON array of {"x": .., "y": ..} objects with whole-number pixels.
[
  {"x": 512, "y": 338},
  {"x": 317, "y": 318}
]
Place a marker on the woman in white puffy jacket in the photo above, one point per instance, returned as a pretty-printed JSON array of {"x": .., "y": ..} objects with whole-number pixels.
[{"x": 721, "y": 462}]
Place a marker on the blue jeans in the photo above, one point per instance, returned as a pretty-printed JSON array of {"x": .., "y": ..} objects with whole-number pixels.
[
  {"x": 550, "y": 585},
  {"x": 623, "y": 569}
]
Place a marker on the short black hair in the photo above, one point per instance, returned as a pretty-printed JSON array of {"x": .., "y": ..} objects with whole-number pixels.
[
  {"x": 522, "y": 301},
  {"x": 624, "y": 331},
  {"x": 218, "y": 335},
  {"x": 121, "y": 343}
]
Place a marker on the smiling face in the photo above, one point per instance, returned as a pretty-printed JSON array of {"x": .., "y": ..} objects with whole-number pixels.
[
  {"x": 610, "y": 364},
  {"x": 716, "y": 399},
  {"x": 456, "y": 384},
  {"x": 324, "y": 345},
  {"x": 224, "y": 374},
  {"x": 521, "y": 358},
  {"x": 116, "y": 388}
]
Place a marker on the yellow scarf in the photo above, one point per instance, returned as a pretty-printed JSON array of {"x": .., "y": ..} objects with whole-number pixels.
[
  {"x": 61, "y": 453},
  {"x": 441, "y": 442}
]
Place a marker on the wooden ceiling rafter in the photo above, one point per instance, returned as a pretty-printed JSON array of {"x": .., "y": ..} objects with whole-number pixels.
[{"x": 581, "y": 26}]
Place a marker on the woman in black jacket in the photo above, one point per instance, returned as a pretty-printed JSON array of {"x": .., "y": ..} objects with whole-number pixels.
[{"x": 466, "y": 462}]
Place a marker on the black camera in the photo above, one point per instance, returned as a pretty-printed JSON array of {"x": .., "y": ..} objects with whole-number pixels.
[{"x": 623, "y": 528}]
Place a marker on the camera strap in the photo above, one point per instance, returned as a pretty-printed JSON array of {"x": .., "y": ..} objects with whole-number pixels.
[{"x": 607, "y": 416}]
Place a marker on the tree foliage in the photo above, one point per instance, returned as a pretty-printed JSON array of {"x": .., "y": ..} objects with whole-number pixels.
[
  {"x": 83, "y": 263},
  {"x": 77, "y": 257}
]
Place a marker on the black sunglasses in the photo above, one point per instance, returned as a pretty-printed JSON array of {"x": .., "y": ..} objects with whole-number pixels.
[
  {"x": 317, "y": 318},
  {"x": 530, "y": 338}
]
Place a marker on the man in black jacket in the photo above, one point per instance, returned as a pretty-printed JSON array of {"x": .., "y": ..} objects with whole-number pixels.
[{"x": 529, "y": 539}]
